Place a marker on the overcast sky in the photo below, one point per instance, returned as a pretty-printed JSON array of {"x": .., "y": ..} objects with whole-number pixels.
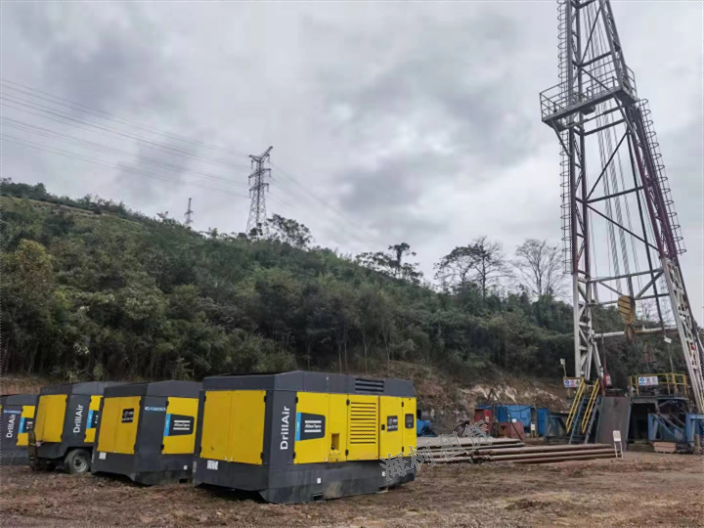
[{"x": 416, "y": 122}]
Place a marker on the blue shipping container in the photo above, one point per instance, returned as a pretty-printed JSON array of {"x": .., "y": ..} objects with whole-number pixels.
[
  {"x": 509, "y": 413},
  {"x": 543, "y": 420}
]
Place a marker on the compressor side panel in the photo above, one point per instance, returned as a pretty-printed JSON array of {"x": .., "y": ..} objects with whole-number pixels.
[
  {"x": 247, "y": 420},
  {"x": 51, "y": 412},
  {"x": 234, "y": 424},
  {"x": 179, "y": 426},
  {"x": 93, "y": 419}
]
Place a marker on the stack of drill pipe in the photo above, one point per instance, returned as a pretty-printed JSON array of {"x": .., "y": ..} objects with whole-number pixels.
[
  {"x": 512, "y": 450},
  {"x": 435, "y": 443},
  {"x": 472, "y": 447},
  {"x": 473, "y": 454},
  {"x": 543, "y": 454}
]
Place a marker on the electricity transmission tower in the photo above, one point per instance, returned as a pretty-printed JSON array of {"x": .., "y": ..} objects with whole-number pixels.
[
  {"x": 258, "y": 185},
  {"x": 611, "y": 168},
  {"x": 189, "y": 214}
]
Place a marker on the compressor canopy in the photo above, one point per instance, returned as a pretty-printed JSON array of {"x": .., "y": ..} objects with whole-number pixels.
[
  {"x": 299, "y": 436},
  {"x": 147, "y": 431},
  {"x": 17, "y": 422},
  {"x": 69, "y": 413},
  {"x": 66, "y": 422}
]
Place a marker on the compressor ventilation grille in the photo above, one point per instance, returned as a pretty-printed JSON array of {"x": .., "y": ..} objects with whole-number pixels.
[
  {"x": 363, "y": 422},
  {"x": 369, "y": 386}
]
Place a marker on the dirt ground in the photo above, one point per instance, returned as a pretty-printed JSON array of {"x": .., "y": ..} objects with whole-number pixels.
[{"x": 643, "y": 490}]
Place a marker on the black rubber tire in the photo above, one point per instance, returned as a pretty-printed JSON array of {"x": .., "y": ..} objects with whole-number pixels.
[{"x": 77, "y": 461}]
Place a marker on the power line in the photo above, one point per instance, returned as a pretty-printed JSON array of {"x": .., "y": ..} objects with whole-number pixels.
[
  {"x": 318, "y": 220},
  {"x": 306, "y": 192},
  {"x": 49, "y": 112},
  {"x": 320, "y": 214},
  {"x": 106, "y": 115},
  {"x": 114, "y": 166},
  {"x": 66, "y": 119},
  {"x": 99, "y": 147}
]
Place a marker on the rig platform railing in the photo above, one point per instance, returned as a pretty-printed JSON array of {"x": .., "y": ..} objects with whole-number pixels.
[{"x": 667, "y": 384}]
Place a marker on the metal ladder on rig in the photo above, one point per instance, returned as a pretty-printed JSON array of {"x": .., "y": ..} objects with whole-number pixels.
[{"x": 583, "y": 412}]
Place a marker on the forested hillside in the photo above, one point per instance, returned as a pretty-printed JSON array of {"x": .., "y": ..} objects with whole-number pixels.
[{"x": 92, "y": 290}]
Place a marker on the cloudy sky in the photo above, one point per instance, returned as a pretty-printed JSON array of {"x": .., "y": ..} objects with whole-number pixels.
[{"x": 416, "y": 122}]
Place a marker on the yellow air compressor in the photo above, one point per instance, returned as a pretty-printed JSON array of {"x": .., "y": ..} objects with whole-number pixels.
[
  {"x": 148, "y": 431},
  {"x": 65, "y": 425},
  {"x": 303, "y": 436},
  {"x": 17, "y": 422}
]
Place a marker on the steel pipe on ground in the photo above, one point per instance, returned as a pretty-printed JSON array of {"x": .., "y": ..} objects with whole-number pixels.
[
  {"x": 467, "y": 451},
  {"x": 553, "y": 449},
  {"x": 541, "y": 460},
  {"x": 558, "y": 457},
  {"x": 531, "y": 454},
  {"x": 436, "y": 442},
  {"x": 516, "y": 456},
  {"x": 520, "y": 448}
]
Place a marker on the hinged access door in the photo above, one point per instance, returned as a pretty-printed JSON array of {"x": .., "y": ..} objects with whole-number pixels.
[{"x": 390, "y": 426}]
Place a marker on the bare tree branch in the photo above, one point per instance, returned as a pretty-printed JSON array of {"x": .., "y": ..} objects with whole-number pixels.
[
  {"x": 540, "y": 266},
  {"x": 481, "y": 262}
]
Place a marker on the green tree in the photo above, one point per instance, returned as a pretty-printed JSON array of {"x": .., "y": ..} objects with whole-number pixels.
[
  {"x": 289, "y": 232},
  {"x": 481, "y": 262},
  {"x": 119, "y": 295},
  {"x": 392, "y": 263},
  {"x": 28, "y": 296}
]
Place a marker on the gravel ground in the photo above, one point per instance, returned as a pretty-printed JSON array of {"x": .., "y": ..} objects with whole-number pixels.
[{"x": 643, "y": 490}]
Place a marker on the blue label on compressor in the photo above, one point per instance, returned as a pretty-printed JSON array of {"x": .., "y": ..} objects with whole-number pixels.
[
  {"x": 92, "y": 419},
  {"x": 179, "y": 425},
  {"x": 309, "y": 426},
  {"x": 21, "y": 425}
]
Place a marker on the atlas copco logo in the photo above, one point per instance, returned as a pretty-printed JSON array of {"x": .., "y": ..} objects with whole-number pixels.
[{"x": 77, "y": 419}]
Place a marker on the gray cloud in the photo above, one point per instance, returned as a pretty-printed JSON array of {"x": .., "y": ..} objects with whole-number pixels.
[
  {"x": 449, "y": 80},
  {"x": 382, "y": 195},
  {"x": 155, "y": 164},
  {"x": 444, "y": 108},
  {"x": 682, "y": 154},
  {"x": 116, "y": 66},
  {"x": 415, "y": 122}
]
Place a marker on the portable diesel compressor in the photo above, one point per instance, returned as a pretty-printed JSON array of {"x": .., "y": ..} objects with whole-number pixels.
[
  {"x": 17, "y": 421},
  {"x": 147, "y": 431},
  {"x": 303, "y": 436},
  {"x": 65, "y": 425}
]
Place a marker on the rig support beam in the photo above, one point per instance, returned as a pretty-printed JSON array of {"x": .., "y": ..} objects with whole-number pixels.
[{"x": 605, "y": 132}]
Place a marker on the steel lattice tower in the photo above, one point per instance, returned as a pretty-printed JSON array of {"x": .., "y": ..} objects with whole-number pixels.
[
  {"x": 189, "y": 214},
  {"x": 258, "y": 186},
  {"x": 611, "y": 166}
]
